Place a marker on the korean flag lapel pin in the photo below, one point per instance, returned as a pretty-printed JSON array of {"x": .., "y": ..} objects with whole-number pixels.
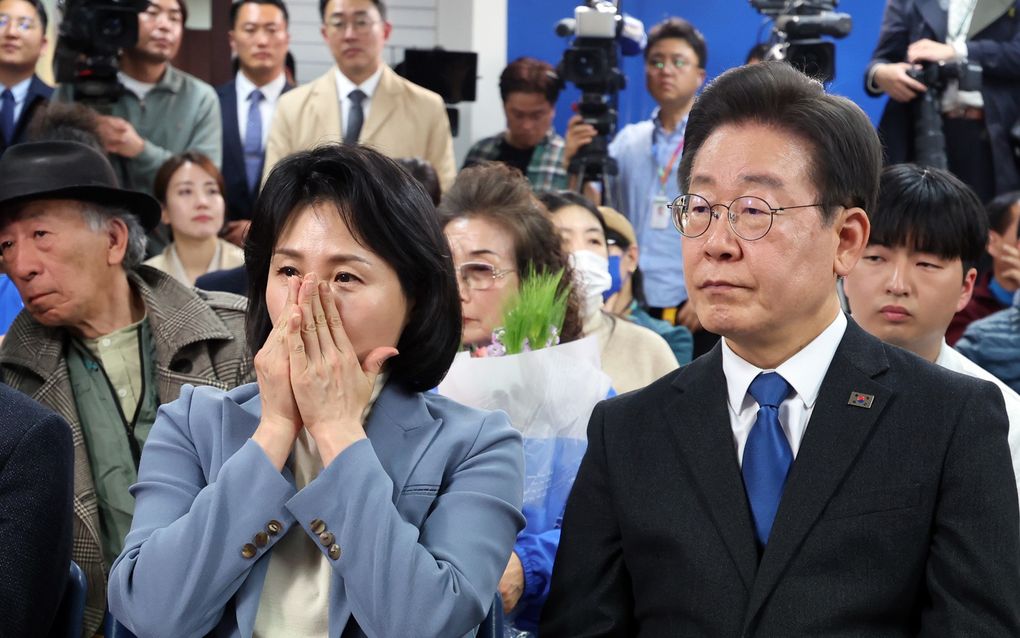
[{"x": 861, "y": 400}]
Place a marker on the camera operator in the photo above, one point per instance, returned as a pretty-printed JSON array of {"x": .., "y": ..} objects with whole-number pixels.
[
  {"x": 163, "y": 111},
  {"x": 22, "y": 41},
  {"x": 975, "y": 123},
  {"x": 648, "y": 154}
]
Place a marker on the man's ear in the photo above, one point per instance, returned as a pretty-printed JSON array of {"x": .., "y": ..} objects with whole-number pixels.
[
  {"x": 966, "y": 289},
  {"x": 117, "y": 236},
  {"x": 853, "y": 229}
]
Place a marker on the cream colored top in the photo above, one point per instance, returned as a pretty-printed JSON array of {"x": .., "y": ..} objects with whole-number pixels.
[
  {"x": 632, "y": 356},
  {"x": 122, "y": 361},
  {"x": 295, "y": 595},
  {"x": 226, "y": 256}
]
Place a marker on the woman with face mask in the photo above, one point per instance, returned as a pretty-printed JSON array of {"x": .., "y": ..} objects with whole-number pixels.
[{"x": 631, "y": 355}]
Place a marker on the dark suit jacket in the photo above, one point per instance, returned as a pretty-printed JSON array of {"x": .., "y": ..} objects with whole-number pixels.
[
  {"x": 993, "y": 42},
  {"x": 233, "y": 280},
  {"x": 896, "y": 520},
  {"x": 38, "y": 94},
  {"x": 36, "y": 484},
  {"x": 239, "y": 198}
]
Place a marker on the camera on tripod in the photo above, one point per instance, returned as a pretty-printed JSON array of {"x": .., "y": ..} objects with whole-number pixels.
[
  {"x": 91, "y": 36},
  {"x": 798, "y": 28},
  {"x": 601, "y": 32},
  {"x": 929, "y": 141}
]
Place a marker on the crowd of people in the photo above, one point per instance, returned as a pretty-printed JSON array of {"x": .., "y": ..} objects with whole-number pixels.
[{"x": 272, "y": 365}]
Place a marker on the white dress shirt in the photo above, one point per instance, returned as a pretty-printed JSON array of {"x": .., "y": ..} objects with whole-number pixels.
[
  {"x": 270, "y": 92},
  {"x": 344, "y": 87},
  {"x": 952, "y": 360},
  {"x": 804, "y": 372},
  {"x": 20, "y": 92}
]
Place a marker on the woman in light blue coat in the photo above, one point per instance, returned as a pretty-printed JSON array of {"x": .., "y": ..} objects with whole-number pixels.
[{"x": 332, "y": 498}]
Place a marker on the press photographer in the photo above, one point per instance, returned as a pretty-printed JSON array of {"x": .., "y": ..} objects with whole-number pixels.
[
  {"x": 922, "y": 54},
  {"x": 150, "y": 111}
]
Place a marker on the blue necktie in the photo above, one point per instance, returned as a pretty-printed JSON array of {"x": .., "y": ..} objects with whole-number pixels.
[
  {"x": 355, "y": 117},
  {"x": 767, "y": 454},
  {"x": 7, "y": 116},
  {"x": 253, "y": 141}
]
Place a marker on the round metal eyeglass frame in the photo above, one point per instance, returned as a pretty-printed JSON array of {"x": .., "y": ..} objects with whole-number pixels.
[
  {"x": 482, "y": 281},
  {"x": 680, "y": 211}
]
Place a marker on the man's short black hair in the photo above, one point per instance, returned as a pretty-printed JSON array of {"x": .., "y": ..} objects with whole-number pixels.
[
  {"x": 681, "y": 30},
  {"x": 235, "y": 8},
  {"x": 998, "y": 212},
  {"x": 929, "y": 210},
  {"x": 846, "y": 156},
  {"x": 388, "y": 213},
  {"x": 529, "y": 75},
  {"x": 379, "y": 4}
]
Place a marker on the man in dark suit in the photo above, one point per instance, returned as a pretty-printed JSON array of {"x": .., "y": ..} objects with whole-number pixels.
[
  {"x": 36, "y": 485},
  {"x": 976, "y": 124},
  {"x": 259, "y": 39},
  {"x": 802, "y": 478},
  {"x": 22, "y": 42}
]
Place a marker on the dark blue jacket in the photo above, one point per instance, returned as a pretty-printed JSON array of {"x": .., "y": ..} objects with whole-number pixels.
[
  {"x": 994, "y": 43},
  {"x": 38, "y": 94},
  {"x": 994, "y": 344},
  {"x": 239, "y": 198}
]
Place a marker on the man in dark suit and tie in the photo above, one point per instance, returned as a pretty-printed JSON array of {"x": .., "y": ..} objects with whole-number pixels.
[
  {"x": 259, "y": 39},
  {"x": 802, "y": 478},
  {"x": 976, "y": 124},
  {"x": 22, "y": 41}
]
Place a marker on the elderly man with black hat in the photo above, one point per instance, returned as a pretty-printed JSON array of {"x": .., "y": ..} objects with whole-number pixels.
[{"x": 102, "y": 340}]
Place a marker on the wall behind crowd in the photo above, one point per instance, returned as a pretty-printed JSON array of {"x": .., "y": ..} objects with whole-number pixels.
[{"x": 730, "y": 27}]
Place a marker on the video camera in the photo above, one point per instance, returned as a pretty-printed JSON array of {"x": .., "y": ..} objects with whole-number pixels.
[
  {"x": 929, "y": 141},
  {"x": 798, "y": 28},
  {"x": 91, "y": 36},
  {"x": 601, "y": 34}
]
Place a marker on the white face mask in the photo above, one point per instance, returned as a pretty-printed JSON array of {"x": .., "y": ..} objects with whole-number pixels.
[{"x": 591, "y": 277}]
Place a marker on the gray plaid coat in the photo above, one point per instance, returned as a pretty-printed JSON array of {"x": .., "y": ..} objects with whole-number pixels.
[{"x": 199, "y": 340}]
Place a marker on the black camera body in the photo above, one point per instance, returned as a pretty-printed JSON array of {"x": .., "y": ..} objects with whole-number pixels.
[
  {"x": 798, "y": 28},
  {"x": 91, "y": 36},
  {"x": 929, "y": 140}
]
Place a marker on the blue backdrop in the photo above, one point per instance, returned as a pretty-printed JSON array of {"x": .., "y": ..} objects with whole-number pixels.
[{"x": 730, "y": 28}]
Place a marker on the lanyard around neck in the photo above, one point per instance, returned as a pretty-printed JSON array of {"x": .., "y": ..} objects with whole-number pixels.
[{"x": 665, "y": 171}]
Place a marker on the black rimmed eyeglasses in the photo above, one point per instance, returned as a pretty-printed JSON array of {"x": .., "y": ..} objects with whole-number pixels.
[{"x": 750, "y": 217}]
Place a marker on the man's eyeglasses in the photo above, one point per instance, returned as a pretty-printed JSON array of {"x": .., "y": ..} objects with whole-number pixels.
[
  {"x": 21, "y": 24},
  {"x": 749, "y": 217},
  {"x": 480, "y": 275},
  {"x": 677, "y": 63},
  {"x": 358, "y": 25}
]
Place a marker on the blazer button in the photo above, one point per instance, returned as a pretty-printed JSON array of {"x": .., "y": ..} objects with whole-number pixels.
[
  {"x": 318, "y": 526},
  {"x": 261, "y": 539},
  {"x": 327, "y": 539},
  {"x": 274, "y": 527},
  {"x": 334, "y": 551},
  {"x": 248, "y": 551}
]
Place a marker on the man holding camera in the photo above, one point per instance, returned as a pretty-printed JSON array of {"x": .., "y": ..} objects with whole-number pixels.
[
  {"x": 163, "y": 111},
  {"x": 976, "y": 124}
]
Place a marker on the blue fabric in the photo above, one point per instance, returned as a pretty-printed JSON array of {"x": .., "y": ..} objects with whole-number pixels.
[
  {"x": 767, "y": 454},
  {"x": 993, "y": 342},
  {"x": 1001, "y": 295},
  {"x": 641, "y": 149},
  {"x": 253, "y": 141},
  {"x": 7, "y": 115},
  {"x": 10, "y": 303},
  {"x": 614, "y": 274}
]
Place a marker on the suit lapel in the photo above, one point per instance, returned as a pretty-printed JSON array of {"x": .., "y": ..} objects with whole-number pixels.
[
  {"x": 936, "y": 16},
  {"x": 986, "y": 12},
  {"x": 703, "y": 435},
  {"x": 384, "y": 102},
  {"x": 324, "y": 116},
  {"x": 401, "y": 429},
  {"x": 835, "y": 435}
]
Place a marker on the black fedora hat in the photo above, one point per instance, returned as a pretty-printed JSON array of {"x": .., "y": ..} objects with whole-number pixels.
[{"x": 68, "y": 170}]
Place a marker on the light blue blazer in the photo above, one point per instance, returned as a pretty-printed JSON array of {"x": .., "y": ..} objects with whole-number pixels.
[{"x": 425, "y": 513}]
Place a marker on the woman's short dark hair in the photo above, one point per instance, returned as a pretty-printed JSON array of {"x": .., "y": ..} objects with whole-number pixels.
[
  {"x": 846, "y": 155},
  {"x": 929, "y": 210},
  {"x": 679, "y": 29},
  {"x": 424, "y": 174},
  {"x": 529, "y": 75},
  {"x": 499, "y": 194},
  {"x": 169, "y": 167},
  {"x": 388, "y": 213}
]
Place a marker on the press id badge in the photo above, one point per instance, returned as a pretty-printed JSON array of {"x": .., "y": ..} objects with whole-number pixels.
[{"x": 660, "y": 212}]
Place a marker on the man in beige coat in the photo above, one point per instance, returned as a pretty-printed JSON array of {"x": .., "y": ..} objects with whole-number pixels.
[{"x": 362, "y": 99}]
